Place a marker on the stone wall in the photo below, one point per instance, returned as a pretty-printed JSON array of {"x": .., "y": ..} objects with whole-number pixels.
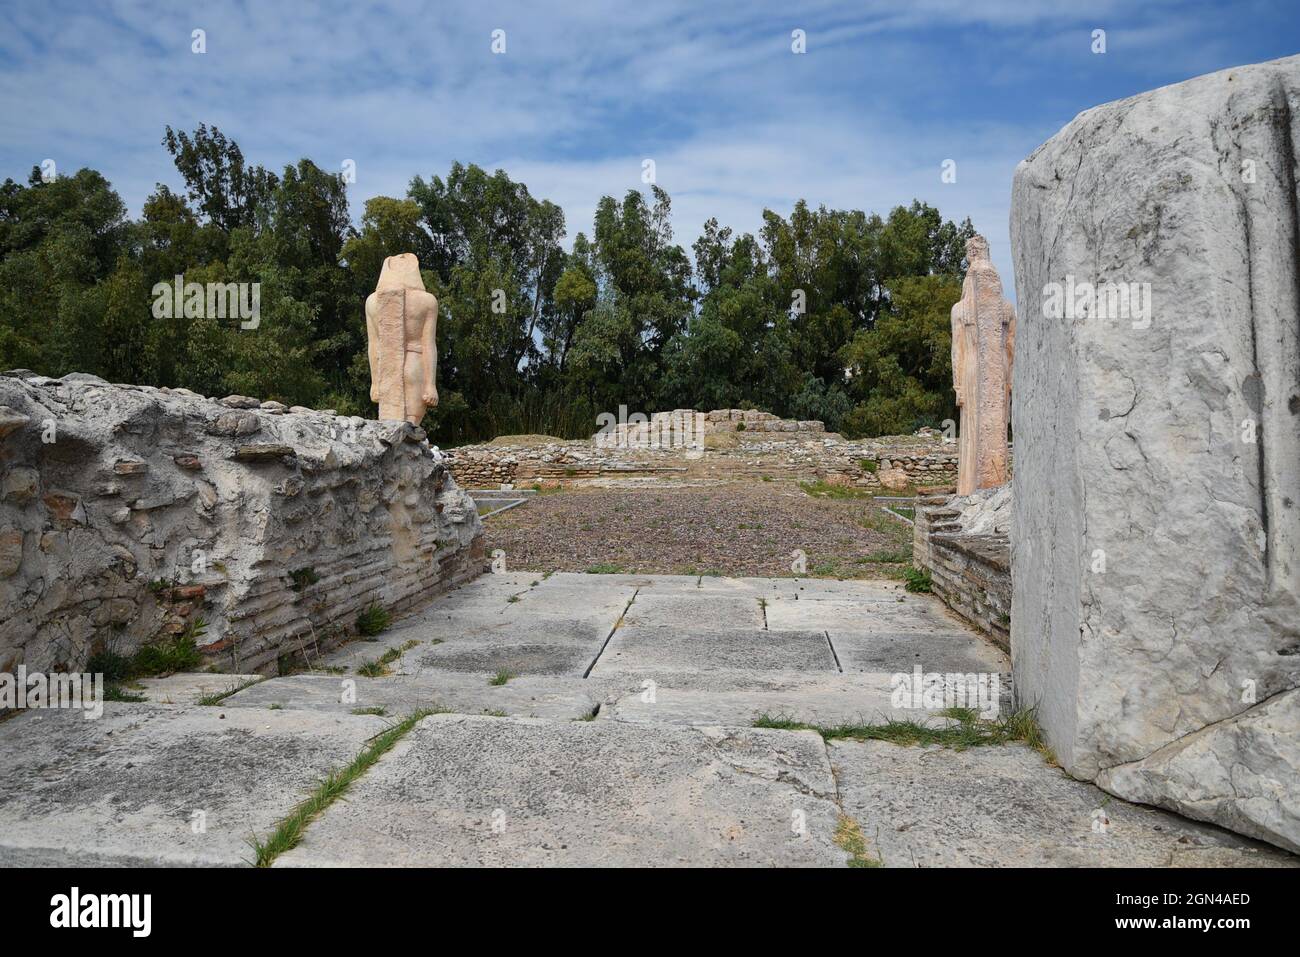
[
  {"x": 1156, "y": 611},
  {"x": 883, "y": 465},
  {"x": 964, "y": 544},
  {"x": 683, "y": 427},
  {"x": 127, "y": 512}
]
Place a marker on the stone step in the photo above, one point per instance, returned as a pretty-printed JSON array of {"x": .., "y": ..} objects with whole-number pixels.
[
  {"x": 828, "y": 701},
  {"x": 157, "y": 785},
  {"x": 537, "y": 696},
  {"x": 189, "y": 687},
  {"x": 1005, "y": 806},
  {"x": 460, "y": 790}
]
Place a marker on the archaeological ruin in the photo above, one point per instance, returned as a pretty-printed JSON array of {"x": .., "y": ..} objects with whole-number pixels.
[
  {"x": 1063, "y": 633},
  {"x": 1155, "y": 611}
]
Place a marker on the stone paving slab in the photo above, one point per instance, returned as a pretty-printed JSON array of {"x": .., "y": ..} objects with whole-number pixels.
[
  {"x": 473, "y": 641},
  {"x": 1004, "y": 806},
  {"x": 827, "y": 701},
  {"x": 649, "y": 649},
  {"x": 685, "y": 611},
  {"x": 466, "y": 791},
  {"x": 559, "y": 699},
  {"x": 543, "y": 645},
  {"x": 188, "y": 687},
  {"x": 817, "y": 589},
  {"x": 123, "y": 789},
  {"x": 588, "y": 600},
  {"x": 947, "y": 652},
  {"x": 849, "y": 614}
]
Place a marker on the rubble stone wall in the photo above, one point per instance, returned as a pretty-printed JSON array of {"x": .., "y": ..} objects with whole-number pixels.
[
  {"x": 128, "y": 512},
  {"x": 883, "y": 465},
  {"x": 969, "y": 561}
]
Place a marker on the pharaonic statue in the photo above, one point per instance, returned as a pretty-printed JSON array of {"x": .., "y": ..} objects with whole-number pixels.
[
  {"x": 401, "y": 326},
  {"x": 983, "y": 346}
]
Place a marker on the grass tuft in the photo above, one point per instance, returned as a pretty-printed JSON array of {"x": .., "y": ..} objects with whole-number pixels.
[
  {"x": 210, "y": 700},
  {"x": 501, "y": 677},
  {"x": 970, "y": 731},
  {"x": 114, "y": 692},
  {"x": 303, "y": 578},
  {"x": 916, "y": 580},
  {"x": 288, "y": 834},
  {"x": 849, "y": 836},
  {"x": 178, "y": 653},
  {"x": 379, "y": 667},
  {"x": 373, "y": 619},
  {"x": 822, "y": 489}
]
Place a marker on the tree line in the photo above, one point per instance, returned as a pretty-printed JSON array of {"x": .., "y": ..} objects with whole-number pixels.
[{"x": 836, "y": 315}]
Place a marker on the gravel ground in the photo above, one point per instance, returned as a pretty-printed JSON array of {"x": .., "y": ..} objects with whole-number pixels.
[{"x": 732, "y": 529}]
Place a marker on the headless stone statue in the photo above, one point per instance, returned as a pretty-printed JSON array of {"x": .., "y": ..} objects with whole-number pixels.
[
  {"x": 401, "y": 326},
  {"x": 983, "y": 346}
]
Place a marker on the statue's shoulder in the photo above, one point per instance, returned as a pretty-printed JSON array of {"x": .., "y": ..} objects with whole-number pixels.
[
  {"x": 421, "y": 298},
  {"x": 372, "y": 303}
]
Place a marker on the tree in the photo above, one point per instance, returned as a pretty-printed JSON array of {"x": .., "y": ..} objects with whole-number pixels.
[
  {"x": 901, "y": 369},
  {"x": 227, "y": 192}
]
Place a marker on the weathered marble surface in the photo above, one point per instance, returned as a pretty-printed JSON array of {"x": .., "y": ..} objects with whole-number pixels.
[
  {"x": 983, "y": 348},
  {"x": 128, "y": 511},
  {"x": 401, "y": 341},
  {"x": 1156, "y": 560}
]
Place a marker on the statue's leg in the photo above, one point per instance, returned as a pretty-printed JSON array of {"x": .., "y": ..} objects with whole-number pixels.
[{"x": 412, "y": 377}]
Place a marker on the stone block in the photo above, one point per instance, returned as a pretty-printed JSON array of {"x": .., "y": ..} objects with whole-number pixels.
[{"x": 1156, "y": 492}]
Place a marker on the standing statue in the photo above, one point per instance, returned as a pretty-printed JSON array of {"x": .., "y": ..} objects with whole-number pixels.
[
  {"x": 983, "y": 346},
  {"x": 401, "y": 326}
]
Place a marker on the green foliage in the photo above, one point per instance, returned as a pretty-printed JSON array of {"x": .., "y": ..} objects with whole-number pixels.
[
  {"x": 501, "y": 677},
  {"x": 916, "y": 580},
  {"x": 966, "y": 730},
  {"x": 167, "y": 655},
  {"x": 837, "y": 315},
  {"x": 822, "y": 489},
  {"x": 110, "y": 664},
  {"x": 373, "y": 619},
  {"x": 288, "y": 832},
  {"x": 115, "y": 692},
  {"x": 303, "y": 578}
]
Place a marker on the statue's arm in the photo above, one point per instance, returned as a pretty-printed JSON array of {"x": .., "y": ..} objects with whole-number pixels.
[
  {"x": 372, "y": 346},
  {"x": 429, "y": 336}
]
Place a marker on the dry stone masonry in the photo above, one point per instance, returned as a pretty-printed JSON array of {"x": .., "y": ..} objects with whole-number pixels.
[
  {"x": 1156, "y": 557},
  {"x": 127, "y": 512},
  {"x": 964, "y": 543},
  {"x": 766, "y": 447}
]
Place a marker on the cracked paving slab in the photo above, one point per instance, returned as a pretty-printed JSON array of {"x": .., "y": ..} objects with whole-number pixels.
[
  {"x": 1004, "y": 806},
  {"x": 124, "y": 789},
  {"x": 463, "y": 790}
]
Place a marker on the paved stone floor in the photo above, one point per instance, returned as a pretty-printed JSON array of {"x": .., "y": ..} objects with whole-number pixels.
[{"x": 583, "y": 720}]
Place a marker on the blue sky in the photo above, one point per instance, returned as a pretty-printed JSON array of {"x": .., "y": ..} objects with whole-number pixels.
[{"x": 711, "y": 91}]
